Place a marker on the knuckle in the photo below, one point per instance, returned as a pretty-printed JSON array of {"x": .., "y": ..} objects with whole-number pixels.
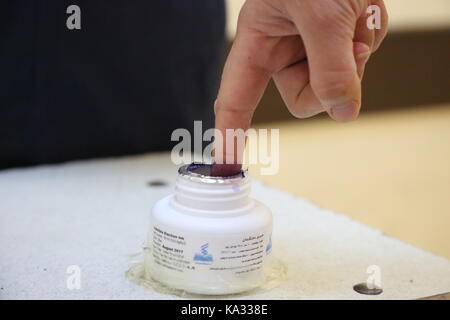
[{"x": 331, "y": 15}]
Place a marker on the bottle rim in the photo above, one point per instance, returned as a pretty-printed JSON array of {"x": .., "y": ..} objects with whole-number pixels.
[{"x": 201, "y": 172}]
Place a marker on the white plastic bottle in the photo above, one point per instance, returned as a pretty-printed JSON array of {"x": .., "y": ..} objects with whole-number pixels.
[{"x": 209, "y": 237}]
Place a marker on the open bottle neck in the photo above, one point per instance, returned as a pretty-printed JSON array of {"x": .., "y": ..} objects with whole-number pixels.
[{"x": 212, "y": 196}]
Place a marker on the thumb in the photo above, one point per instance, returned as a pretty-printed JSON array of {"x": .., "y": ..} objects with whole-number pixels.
[{"x": 327, "y": 33}]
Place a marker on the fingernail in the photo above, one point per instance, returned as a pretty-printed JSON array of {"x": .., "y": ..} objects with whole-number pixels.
[
  {"x": 215, "y": 106},
  {"x": 361, "y": 61},
  {"x": 363, "y": 55},
  {"x": 345, "y": 112},
  {"x": 362, "y": 51}
]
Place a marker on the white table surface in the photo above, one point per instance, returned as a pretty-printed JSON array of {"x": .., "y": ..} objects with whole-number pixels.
[{"x": 94, "y": 214}]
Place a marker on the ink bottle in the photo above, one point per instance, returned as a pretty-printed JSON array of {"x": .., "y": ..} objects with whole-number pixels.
[{"x": 209, "y": 237}]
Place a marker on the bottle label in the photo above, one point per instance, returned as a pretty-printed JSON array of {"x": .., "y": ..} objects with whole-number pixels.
[{"x": 235, "y": 254}]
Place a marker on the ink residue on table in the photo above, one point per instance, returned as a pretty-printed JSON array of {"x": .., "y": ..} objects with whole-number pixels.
[{"x": 275, "y": 272}]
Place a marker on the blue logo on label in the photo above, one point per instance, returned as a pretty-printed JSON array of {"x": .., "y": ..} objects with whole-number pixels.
[
  {"x": 203, "y": 257},
  {"x": 269, "y": 245}
]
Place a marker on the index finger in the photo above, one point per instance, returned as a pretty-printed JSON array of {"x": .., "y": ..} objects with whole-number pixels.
[{"x": 243, "y": 83}]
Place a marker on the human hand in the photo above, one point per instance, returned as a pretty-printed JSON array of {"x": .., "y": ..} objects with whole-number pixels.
[{"x": 315, "y": 51}]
